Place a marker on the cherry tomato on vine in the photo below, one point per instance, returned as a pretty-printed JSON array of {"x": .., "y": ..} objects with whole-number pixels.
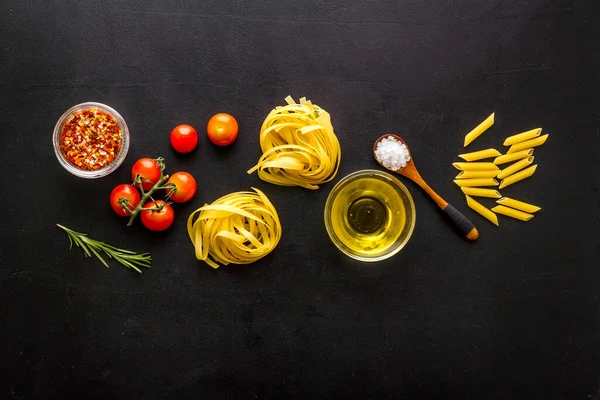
[
  {"x": 157, "y": 220},
  {"x": 148, "y": 169},
  {"x": 222, "y": 129},
  {"x": 127, "y": 192},
  {"x": 185, "y": 187},
  {"x": 184, "y": 138}
]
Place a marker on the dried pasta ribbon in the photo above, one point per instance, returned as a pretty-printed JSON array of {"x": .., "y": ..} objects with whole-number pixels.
[
  {"x": 238, "y": 228},
  {"x": 299, "y": 146}
]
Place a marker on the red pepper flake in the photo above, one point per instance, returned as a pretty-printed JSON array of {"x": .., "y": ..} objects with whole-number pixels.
[{"x": 91, "y": 139}]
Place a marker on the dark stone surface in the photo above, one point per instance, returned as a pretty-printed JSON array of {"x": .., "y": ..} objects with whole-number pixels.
[{"x": 513, "y": 315}]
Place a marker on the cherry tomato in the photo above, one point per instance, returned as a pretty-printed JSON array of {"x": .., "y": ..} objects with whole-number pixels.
[
  {"x": 185, "y": 187},
  {"x": 157, "y": 220},
  {"x": 222, "y": 129},
  {"x": 148, "y": 169},
  {"x": 184, "y": 138},
  {"x": 127, "y": 192}
]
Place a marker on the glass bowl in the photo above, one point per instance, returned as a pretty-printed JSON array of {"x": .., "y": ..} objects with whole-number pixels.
[
  {"x": 82, "y": 173},
  {"x": 370, "y": 215}
]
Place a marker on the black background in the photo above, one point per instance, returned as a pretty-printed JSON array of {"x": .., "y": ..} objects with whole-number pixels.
[{"x": 513, "y": 315}]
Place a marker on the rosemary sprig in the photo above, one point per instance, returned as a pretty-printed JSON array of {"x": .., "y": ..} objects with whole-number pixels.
[{"x": 91, "y": 247}]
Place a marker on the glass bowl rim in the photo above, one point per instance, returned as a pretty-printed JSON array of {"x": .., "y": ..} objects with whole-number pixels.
[
  {"x": 100, "y": 172},
  {"x": 350, "y": 177}
]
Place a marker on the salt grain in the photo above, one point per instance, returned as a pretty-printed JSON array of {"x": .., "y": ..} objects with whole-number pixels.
[{"x": 392, "y": 153}]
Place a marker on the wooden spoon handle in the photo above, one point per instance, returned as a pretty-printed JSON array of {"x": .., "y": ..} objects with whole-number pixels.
[{"x": 461, "y": 222}]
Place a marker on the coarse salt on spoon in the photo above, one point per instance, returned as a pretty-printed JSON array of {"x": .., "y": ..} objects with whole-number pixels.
[{"x": 407, "y": 168}]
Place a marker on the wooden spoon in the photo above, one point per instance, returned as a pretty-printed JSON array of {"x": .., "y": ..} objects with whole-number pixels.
[{"x": 410, "y": 171}]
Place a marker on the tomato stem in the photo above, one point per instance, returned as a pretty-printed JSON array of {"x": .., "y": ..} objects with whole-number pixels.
[
  {"x": 137, "y": 182},
  {"x": 127, "y": 208},
  {"x": 172, "y": 188}
]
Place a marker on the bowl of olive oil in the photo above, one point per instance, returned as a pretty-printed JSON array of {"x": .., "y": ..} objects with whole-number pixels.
[{"x": 370, "y": 215}]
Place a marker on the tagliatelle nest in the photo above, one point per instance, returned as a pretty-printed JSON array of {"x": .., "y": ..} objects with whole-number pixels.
[
  {"x": 299, "y": 146},
  {"x": 238, "y": 228}
]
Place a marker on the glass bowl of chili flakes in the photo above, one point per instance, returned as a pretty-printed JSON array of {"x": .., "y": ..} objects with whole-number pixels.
[{"x": 91, "y": 140}]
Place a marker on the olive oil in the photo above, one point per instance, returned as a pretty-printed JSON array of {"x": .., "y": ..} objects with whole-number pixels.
[{"x": 368, "y": 215}]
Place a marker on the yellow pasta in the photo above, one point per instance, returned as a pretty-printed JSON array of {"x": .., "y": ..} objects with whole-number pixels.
[
  {"x": 519, "y": 176},
  {"x": 511, "y": 169},
  {"x": 480, "y": 155},
  {"x": 479, "y": 208},
  {"x": 519, "y": 205},
  {"x": 521, "y": 137},
  {"x": 238, "y": 228},
  {"x": 479, "y": 129},
  {"x": 503, "y": 159},
  {"x": 509, "y": 212},
  {"x": 478, "y": 192},
  {"x": 491, "y": 173},
  {"x": 528, "y": 144},
  {"x": 475, "y": 166},
  {"x": 476, "y": 182},
  {"x": 299, "y": 146}
]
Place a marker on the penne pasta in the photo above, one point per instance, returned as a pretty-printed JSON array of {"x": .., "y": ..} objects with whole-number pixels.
[
  {"x": 528, "y": 144},
  {"x": 513, "y": 156},
  {"x": 478, "y": 192},
  {"x": 476, "y": 182},
  {"x": 475, "y": 166},
  {"x": 519, "y": 205},
  {"x": 519, "y": 176},
  {"x": 521, "y": 137},
  {"x": 519, "y": 165},
  {"x": 479, "y": 129},
  {"x": 479, "y": 208},
  {"x": 510, "y": 212},
  {"x": 480, "y": 155},
  {"x": 490, "y": 173}
]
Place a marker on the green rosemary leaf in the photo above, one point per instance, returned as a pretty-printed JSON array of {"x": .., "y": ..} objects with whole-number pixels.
[
  {"x": 127, "y": 258},
  {"x": 80, "y": 243},
  {"x": 99, "y": 257}
]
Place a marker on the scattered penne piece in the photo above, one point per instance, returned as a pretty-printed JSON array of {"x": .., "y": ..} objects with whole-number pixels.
[
  {"x": 519, "y": 165},
  {"x": 490, "y": 173},
  {"x": 521, "y": 137},
  {"x": 479, "y": 129},
  {"x": 510, "y": 212},
  {"x": 519, "y": 205},
  {"x": 475, "y": 166},
  {"x": 480, "y": 155},
  {"x": 503, "y": 159},
  {"x": 528, "y": 144},
  {"x": 476, "y": 182},
  {"x": 478, "y": 192},
  {"x": 519, "y": 176},
  {"x": 479, "y": 208}
]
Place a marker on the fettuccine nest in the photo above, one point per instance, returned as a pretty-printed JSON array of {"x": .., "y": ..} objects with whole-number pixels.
[
  {"x": 299, "y": 146},
  {"x": 239, "y": 228}
]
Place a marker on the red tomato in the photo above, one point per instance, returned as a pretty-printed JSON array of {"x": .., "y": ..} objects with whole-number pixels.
[
  {"x": 184, "y": 138},
  {"x": 222, "y": 129},
  {"x": 125, "y": 192},
  {"x": 185, "y": 187},
  {"x": 148, "y": 169},
  {"x": 157, "y": 220}
]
